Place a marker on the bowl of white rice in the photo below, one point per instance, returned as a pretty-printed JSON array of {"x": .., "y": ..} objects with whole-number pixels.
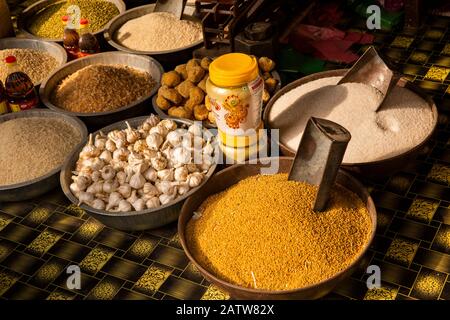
[
  {"x": 382, "y": 142},
  {"x": 159, "y": 34}
]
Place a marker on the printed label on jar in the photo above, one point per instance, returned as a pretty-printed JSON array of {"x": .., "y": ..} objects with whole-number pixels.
[
  {"x": 238, "y": 109},
  {"x": 3, "y": 107},
  {"x": 14, "y": 107}
]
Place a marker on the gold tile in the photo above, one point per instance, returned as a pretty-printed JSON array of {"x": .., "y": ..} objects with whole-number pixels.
[
  {"x": 38, "y": 215},
  {"x": 4, "y": 222},
  {"x": 419, "y": 57},
  {"x": 59, "y": 295},
  {"x": 402, "y": 42},
  {"x": 89, "y": 229},
  {"x": 175, "y": 240},
  {"x": 96, "y": 259},
  {"x": 214, "y": 293},
  {"x": 142, "y": 248},
  {"x": 382, "y": 293},
  {"x": 75, "y": 210},
  {"x": 437, "y": 73},
  {"x": 152, "y": 279},
  {"x": 49, "y": 272},
  {"x": 105, "y": 290},
  {"x": 434, "y": 34},
  {"x": 429, "y": 284},
  {"x": 440, "y": 173},
  {"x": 6, "y": 281},
  {"x": 402, "y": 251},
  {"x": 422, "y": 209},
  {"x": 442, "y": 238},
  {"x": 43, "y": 242}
]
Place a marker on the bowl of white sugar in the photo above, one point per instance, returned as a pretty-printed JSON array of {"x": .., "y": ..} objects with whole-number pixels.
[
  {"x": 381, "y": 141},
  {"x": 158, "y": 34}
]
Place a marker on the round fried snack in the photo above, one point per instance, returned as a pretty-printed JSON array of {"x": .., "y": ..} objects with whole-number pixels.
[
  {"x": 181, "y": 69},
  {"x": 200, "y": 112},
  {"x": 184, "y": 88},
  {"x": 195, "y": 74},
  {"x": 170, "y": 79},
  {"x": 170, "y": 94},
  {"x": 162, "y": 103},
  {"x": 180, "y": 112}
]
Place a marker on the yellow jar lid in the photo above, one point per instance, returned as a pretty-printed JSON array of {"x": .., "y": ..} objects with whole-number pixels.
[
  {"x": 233, "y": 69},
  {"x": 240, "y": 141}
]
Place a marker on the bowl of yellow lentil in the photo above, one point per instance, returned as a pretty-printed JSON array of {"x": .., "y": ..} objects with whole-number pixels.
[
  {"x": 43, "y": 19},
  {"x": 256, "y": 236}
]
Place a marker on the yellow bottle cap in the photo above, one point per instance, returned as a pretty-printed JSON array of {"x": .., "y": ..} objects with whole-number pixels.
[
  {"x": 233, "y": 69},
  {"x": 241, "y": 141}
]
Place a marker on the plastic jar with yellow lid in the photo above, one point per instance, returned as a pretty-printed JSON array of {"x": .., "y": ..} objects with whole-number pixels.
[{"x": 235, "y": 88}]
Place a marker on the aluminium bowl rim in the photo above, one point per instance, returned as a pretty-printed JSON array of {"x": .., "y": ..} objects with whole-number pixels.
[
  {"x": 47, "y": 101},
  {"x": 33, "y": 113},
  {"x": 274, "y": 293},
  {"x": 66, "y": 166}
]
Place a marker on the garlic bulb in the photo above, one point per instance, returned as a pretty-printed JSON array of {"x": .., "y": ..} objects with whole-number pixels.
[
  {"x": 139, "y": 205},
  {"x": 133, "y": 197},
  {"x": 110, "y": 186},
  {"x": 150, "y": 175},
  {"x": 125, "y": 190},
  {"x": 98, "y": 204},
  {"x": 192, "y": 167},
  {"x": 97, "y": 164},
  {"x": 139, "y": 146},
  {"x": 166, "y": 174},
  {"x": 121, "y": 154},
  {"x": 137, "y": 181},
  {"x": 166, "y": 187},
  {"x": 183, "y": 189},
  {"x": 121, "y": 177},
  {"x": 100, "y": 142},
  {"x": 75, "y": 189},
  {"x": 150, "y": 189},
  {"x": 196, "y": 128},
  {"x": 166, "y": 198},
  {"x": 152, "y": 203},
  {"x": 113, "y": 200},
  {"x": 169, "y": 124},
  {"x": 175, "y": 138},
  {"x": 82, "y": 182},
  {"x": 85, "y": 197},
  {"x": 195, "y": 179},
  {"x": 96, "y": 187},
  {"x": 108, "y": 173},
  {"x": 150, "y": 122},
  {"x": 132, "y": 135},
  {"x": 89, "y": 150},
  {"x": 96, "y": 176},
  {"x": 124, "y": 206},
  {"x": 118, "y": 137},
  {"x": 159, "y": 162},
  {"x": 181, "y": 173},
  {"x": 110, "y": 146},
  {"x": 106, "y": 156},
  {"x": 181, "y": 156},
  {"x": 208, "y": 148},
  {"x": 207, "y": 162},
  {"x": 154, "y": 140},
  {"x": 161, "y": 130}
]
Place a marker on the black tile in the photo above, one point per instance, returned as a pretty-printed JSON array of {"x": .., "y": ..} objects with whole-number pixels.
[
  {"x": 86, "y": 283},
  {"x": 391, "y": 201},
  {"x": 414, "y": 70},
  {"x": 64, "y": 222},
  {"x": 431, "y": 86},
  {"x": 6, "y": 247},
  {"x": 381, "y": 244},
  {"x": 384, "y": 218},
  {"x": 431, "y": 190},
  {"x": 400, "y": 183},
  {"x": 413, "y": 229},
  {"x": 115, "y": 239},
  {"x": 351, "y": 288},
  {"x": 18, "y": 209},
  {"x": 446, "y": 292},
  {"x": 22, "y": 263},
  {"x": 69, "y": 250},
  {"x": 433, "y": 259},
  {"x": 124, "y": 269},
  {"x": 166, "y": 232},
  {"x": 18, "y": 233},
  {"x": 49, "y": 272},
  {"x": 182, "y": 289},
  {"x": 106, "y": 289},
  {"x": 170, "y": 257},
  {"x": 125, "y": 294},
  {"x": 395, "y": 274},
  {"x": 22, "y": 291}
]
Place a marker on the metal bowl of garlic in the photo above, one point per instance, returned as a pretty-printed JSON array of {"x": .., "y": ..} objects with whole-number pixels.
[{"x": 147, "y": 218}]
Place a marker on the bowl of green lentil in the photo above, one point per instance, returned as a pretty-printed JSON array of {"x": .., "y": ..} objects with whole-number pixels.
[
  {"x": 243, "y": 248},
  {"x": 43, "y": 19},
  {"x": 35, "y": 57}
]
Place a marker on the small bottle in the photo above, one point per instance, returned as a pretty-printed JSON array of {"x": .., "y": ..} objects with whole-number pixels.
[
  {"x": 19, "y": 87},
  {"x": 70, "y": 39},
  {"x": 3, "y": 100},
  {"x": 88, "y": 43}
]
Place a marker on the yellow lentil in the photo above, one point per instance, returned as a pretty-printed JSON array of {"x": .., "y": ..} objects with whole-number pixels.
[{"x": 262, "y": 233}]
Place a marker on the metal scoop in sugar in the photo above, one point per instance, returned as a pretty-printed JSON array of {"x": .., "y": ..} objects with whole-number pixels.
[
  {"x": 371, "y": 70},
  {"x": 319, "y": 157},
  {"x": 176, "y": 7}
]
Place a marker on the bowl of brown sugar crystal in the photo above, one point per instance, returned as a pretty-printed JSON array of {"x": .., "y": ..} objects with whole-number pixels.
[{"x": 257, "y": 237}]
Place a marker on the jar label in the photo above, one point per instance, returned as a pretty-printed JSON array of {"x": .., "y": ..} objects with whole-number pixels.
[
  {"x": 15, "y": 107},
  {"x": 238, "y": 110},
  {"x": 3, "y": 107}
]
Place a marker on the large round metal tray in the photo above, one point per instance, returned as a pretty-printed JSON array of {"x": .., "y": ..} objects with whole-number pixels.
[
  {"x": 134, "y": 220},
  {"x": 36, "y": 187},
  {"x": 165, "y": 56},
  {"x": 99, "y": 119},
  {"x": 26, "y": 17},
  {"x": 232, "y": 175},
  {"x": 369, "y": 169},
  {"x": 55, "y": 50}
]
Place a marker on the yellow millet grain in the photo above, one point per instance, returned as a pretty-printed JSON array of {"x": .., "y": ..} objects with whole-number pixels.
[{"x": 265, "y": 225}]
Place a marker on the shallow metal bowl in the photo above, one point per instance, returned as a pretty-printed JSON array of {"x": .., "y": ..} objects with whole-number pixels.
[
  {"x": 36, "y": 187},
  {"x": 99, "y": 119},
  {"x": 134, "y": 220},
  {"x": 25, "y": 18},
  {"x": 232, "y": 175},
  {"x": 164, "y": 56},
  {"x": 55, "y": 50},
  {"x": 372, "y": 169}
]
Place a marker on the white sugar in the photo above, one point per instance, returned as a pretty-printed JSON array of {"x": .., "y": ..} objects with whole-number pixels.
[{"x": 404, "y": 121}]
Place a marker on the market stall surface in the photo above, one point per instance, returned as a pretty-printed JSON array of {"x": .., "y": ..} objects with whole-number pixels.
[{"x": 39, "y": 239}]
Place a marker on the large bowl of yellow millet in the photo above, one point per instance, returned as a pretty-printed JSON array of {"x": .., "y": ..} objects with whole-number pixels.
[{"x": 254, "y": 234}]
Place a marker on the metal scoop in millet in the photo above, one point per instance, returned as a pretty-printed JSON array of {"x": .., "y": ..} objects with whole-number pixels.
[{"x": 319, "y": 157}]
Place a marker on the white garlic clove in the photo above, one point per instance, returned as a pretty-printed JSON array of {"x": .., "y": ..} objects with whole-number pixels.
[
  {"x": 166, "y": 187},
  {"x": 166, "y": 174},
  {"x": 150, "y": 190},
  {"x": 132, "y": 134},
  {"x": 97, "y": 164},
  {"x": 169, "y": 124},
  {"x": 108, "y": 173},
  {"x": 96, "y": 187},
  {"x": 124, "y": 206},
  {"x": 159, "y": 162},
  {"x": 83, "y": 182},
  {"x": 110, "y": 186},
  {"x": 113, "y": 200},
  {"x": 121, "y": 177},
  {"x": 139, "y": 205},
  {"x": 195, "y": 179},
  {"x": 181, "y": 173},
  {"x": 133, "y": 197},
  {"x": 106, "y": 156},
  {"x": 75, "y": 189},
  {"x": 161, "y": 130},
  {"x": 150, "y": 175},
  {"x": 121, "y": 154},
  {"x": 152, "y": 203},
  {"x": 154, "y": 141},
  {"x": 100, "y": 142},
  {"x": 98, "y": 204},
  {"x": 192, "y": 167},
  {"x": 181, "y": 156},
  {"x": 85, "y": 197},
  {"x": 183, "y": 189},
  {"x": 96, "y": 176},
  {"x": 110, "y": 145},
  {"x": 125, "y": 190},
  {"x": 196, "y": 129},
  {"x": 166, "y": 198},
  {"x": 150, "y": 122},
  {"x": 137, "y": 181}
]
